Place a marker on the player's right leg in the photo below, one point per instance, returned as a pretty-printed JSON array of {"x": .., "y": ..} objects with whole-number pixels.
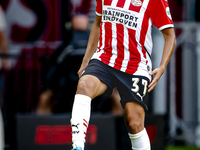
[
  {"x": 88, "y": 88},
  {"x": 134, "y": 116},
  {"x": 134, "y": 99}
]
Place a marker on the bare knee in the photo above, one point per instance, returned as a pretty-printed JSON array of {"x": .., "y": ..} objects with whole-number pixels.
[
  {"x": 134, "y": 118},
  {"x": 91, "y": 86},
  {"x": 134, "y": 124},
  {"x": 83, "y": 88}
]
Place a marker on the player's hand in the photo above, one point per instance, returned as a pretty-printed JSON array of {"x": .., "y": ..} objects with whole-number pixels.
[
  {"x": 157, "y": 73},
  {"x": 82, "y": 68}
]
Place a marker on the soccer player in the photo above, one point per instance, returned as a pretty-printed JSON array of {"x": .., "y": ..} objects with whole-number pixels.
[{"x": 122, "y": 35}]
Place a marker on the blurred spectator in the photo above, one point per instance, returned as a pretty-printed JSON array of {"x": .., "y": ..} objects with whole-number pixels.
[
  {"x": 54, "y": 95},
  {"x": 4, "y": 50},
  {"x": 45, "y": 103},
  {"x": 80, "y": 22},
  {"x": 56, "y": 69},
  {"x": 176, "y": 8},
  {"x": 60, "y": 79}
]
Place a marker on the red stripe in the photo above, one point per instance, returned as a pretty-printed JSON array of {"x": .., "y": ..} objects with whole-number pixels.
[
  {"x": 108, "y": 44},
  {"x": 99, "y": 6},
  {"x": 85, "y": 121},
  {"x": 121, "y": 3},
  {"x": 135, "y": 8},
  {"x": 134, "y": 54},
  {"x": 120, "y": 46},
  {"x": 107, "y": 2},
  {"x": 85, "y": 125}
]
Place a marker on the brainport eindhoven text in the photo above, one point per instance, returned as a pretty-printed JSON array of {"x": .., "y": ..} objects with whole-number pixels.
[{"x": 120, "y": 17}]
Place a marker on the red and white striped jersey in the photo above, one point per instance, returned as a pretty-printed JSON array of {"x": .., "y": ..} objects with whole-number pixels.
[{"x": 125, "y": 33}]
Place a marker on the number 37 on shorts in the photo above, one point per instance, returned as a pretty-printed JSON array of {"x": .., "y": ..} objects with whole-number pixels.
[{"x": 140, "y": 87}]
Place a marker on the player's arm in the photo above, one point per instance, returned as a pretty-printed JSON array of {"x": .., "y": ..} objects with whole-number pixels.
[
  {"x": 92, "y": 44},
  {"x": 170, "y": 42}
]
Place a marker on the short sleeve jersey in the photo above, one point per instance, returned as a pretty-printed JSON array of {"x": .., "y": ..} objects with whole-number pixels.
[{"x": 125, "y": 41}]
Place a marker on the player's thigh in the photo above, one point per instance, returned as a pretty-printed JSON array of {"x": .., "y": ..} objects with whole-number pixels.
[
  {"x": 91, "y": 86},
  {"x": 134, "y": 115}
]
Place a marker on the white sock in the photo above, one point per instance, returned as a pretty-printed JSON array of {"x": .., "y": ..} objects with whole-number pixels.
[
  {"x": 140, "y": 141},
  {"x": 80, "y": 119}
]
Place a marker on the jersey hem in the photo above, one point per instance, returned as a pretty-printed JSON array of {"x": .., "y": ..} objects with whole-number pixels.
[
  {"x": 139, "y": 72},
  {"x": 98, "y": 14},
  {"x": 166, "y": 26}
]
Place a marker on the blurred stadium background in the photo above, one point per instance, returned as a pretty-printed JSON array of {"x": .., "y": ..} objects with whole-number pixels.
[{"x": 39, "y": 33}]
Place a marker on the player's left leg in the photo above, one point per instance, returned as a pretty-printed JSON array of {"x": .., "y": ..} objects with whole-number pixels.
[{"x": 134, "y": 116}]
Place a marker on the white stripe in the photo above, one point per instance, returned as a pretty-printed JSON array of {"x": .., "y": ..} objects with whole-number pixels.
[
  {"x": 126, "y": 41},
  {"x": 127, "y": 4},
  {"x": 148, "y": 39},
  {"x": 138, "y": 31},
  {"x": 145, "y": 3},
  {"x": 142, "y": 12},
  {"x": 148, "y": 45},
  {"x": 142, "y": 64},
  {"x": 114, "y": 3},
  {"x": 166, "y": 26},
  {"x": 103, "y": 35},
  {"x": 126, "y": 50},
  {"x": 114, "y": 45},
  {"x": 97, "y": 55}
]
